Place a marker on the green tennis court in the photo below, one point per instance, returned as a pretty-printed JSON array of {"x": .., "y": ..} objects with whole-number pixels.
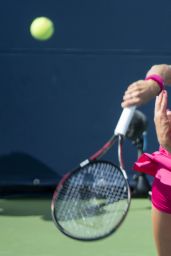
[{"x": 26, "y": 229}]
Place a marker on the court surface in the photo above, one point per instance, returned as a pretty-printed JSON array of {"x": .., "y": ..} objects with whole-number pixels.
[{"x": 26, "y": 229}]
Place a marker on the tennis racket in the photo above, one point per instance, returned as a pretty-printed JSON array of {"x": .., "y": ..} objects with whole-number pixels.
[{"x": 91, "y": 202}]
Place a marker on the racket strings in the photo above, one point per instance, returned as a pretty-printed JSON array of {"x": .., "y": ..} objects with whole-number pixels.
[{"x": 92, "y": 201}]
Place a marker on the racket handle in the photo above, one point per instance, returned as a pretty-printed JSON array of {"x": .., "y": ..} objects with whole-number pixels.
[{"x": 124, "y": 121}]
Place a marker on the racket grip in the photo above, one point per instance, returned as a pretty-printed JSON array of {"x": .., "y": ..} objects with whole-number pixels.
[{"x": 124, "y": 120}]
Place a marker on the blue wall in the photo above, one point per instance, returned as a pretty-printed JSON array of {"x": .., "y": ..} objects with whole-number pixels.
[{"x": 60, "y": 99}]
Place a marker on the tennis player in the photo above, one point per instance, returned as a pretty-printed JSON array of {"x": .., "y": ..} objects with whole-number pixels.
[{"x": 157, "y": 164}]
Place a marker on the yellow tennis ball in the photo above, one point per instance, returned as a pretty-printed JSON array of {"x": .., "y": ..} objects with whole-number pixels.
[{"x": 42, "y": 28}]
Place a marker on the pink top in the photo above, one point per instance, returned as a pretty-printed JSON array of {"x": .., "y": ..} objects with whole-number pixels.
[{"x": 157, "y": 164}]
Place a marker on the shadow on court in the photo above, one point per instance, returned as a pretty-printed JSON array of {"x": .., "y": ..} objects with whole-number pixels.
[
  {"x": 26, "y": 207},
  {"x": 26, "y": 186}
]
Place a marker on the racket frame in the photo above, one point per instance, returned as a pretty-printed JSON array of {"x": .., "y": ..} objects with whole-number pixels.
[{"x": 60, "y": 186}]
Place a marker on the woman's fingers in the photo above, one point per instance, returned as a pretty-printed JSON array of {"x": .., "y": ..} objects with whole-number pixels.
[
  {"x": 139, "y": 93},
  {"x": 161, "y": 103}
]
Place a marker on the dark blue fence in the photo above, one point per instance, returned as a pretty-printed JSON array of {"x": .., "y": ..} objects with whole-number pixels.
[{"x": 60, "y": 99}]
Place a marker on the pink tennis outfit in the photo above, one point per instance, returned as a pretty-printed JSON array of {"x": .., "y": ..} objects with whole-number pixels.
[{"x": 158, "y": 164}]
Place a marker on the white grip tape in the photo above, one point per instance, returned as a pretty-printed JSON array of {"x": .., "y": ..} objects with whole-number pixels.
[{"x": 124, "y": 120}]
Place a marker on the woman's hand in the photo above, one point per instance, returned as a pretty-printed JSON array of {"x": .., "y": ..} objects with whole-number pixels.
[
  {"x": 140, "y": 92},
  {"x": 143, "y": 91},
  {"x": 162, "y": 120}
]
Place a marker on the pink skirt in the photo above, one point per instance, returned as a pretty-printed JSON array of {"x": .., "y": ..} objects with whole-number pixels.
[{"x": 158, "y": 165}]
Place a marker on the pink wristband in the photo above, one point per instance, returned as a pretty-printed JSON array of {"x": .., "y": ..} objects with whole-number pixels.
[{"x": 158, "y": 79}]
